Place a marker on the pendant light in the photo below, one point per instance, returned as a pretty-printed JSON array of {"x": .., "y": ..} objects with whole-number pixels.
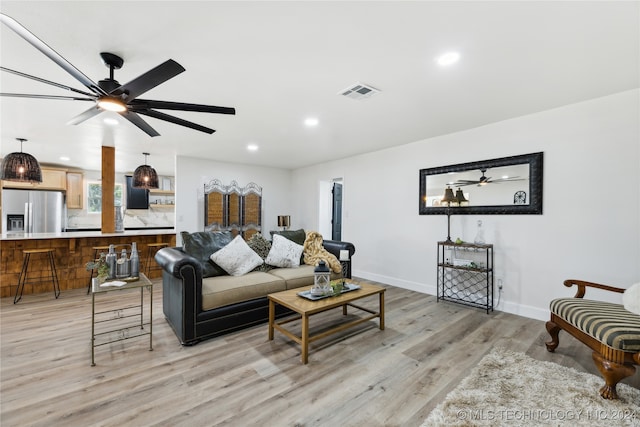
[
  {"x": 22, "y": 167},
  {"x": 145, "y": 176}
]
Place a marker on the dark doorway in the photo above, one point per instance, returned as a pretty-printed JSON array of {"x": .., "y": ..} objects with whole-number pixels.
[{"x": 336, "y": 212}]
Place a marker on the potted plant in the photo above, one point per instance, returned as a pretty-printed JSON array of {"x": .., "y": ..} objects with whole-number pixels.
[{"x": 101, "y": 266}]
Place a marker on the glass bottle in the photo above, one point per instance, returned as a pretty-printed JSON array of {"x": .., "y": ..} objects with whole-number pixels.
[
  {"x": 134, "y": 260},
  {"x": 122, "y": 267},
  {"x": 111, "y": 262},
  {"x": 479, "y": 240}
]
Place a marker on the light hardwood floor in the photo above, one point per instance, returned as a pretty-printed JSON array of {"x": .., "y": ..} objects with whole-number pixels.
[{"x": 360, "y": 377}]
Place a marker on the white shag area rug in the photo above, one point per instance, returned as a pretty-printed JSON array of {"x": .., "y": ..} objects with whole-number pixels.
[{"x": 511, "y": 389}]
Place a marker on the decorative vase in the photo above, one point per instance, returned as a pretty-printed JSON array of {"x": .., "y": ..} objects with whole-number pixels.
[
  {"x": 479, "y": 240},
  {"x": 119, "y": 219}
]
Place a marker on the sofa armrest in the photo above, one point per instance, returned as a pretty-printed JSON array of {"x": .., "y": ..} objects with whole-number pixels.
[
  {"x": 173, "y": 259},
  {"x": 181, "y": 292},
  {"x": 335, "y": 246},
  {"x": 582, "y": 285}
]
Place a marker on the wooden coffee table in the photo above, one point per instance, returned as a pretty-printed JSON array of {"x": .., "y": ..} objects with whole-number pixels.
[{"x": 306, "y": 308}]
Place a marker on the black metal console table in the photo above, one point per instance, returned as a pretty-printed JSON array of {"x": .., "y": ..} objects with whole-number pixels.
[{"x": 465, "y": 274}]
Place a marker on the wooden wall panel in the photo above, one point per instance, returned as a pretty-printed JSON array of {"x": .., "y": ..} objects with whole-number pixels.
[{"x": 70, "y": 264}]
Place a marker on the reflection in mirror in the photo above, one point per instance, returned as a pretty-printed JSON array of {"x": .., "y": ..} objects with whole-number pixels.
[{"x": 509, "y": 185}]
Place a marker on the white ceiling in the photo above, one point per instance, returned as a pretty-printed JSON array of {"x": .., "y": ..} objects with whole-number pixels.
[{"x": 280, "y": 62}]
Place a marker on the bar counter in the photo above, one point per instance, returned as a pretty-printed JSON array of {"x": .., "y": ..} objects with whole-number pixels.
[{"x": 72, "y": 251}]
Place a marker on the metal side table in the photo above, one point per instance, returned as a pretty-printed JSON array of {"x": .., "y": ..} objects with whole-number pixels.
[{"x": 117, "y": 318}]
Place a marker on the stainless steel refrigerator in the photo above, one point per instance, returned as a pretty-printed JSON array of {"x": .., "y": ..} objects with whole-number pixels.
[{"x": 30, "y": 211}]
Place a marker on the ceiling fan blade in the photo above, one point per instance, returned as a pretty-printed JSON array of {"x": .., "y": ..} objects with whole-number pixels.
[
  {"x": 49, "y": 82},
  {"x": 27, "y": 95},
  {"x": 50, "y": 53},
  {"x": 139, "y": 122},
  {"x": 176, "y": 120},
  {"x": 515, "y": 178},
  {"x": 168, "y": 105},
  {"x": 150, "y": 79},
  {"x": 86, "y": 115}
]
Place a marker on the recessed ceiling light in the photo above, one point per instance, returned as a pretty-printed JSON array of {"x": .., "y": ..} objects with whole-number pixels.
[
  {"x": 252, "y": 147},
  {"x": 110, "y": 121},
  {"x": 448, "y": 58},
  {"x": 65, "y": 158},
  {"x": 311, "y": 121}
]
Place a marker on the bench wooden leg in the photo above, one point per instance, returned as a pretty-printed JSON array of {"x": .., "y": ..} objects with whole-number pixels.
[
  {"x": 612, "y": 372},
  {"x": 553, "y": 330}
]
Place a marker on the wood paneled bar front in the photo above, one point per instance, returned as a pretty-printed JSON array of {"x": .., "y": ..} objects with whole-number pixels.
[{"x": 72, "y": 251}]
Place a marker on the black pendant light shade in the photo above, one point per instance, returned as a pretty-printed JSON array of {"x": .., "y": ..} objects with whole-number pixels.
[
  {"x": 145, "y": 176},
  {"x": 21, "y": 167}
]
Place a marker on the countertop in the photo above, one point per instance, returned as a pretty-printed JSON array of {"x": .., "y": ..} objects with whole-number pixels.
[{"x": 81, "y": 234}]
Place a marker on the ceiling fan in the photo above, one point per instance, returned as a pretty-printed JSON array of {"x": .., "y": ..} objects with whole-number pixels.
[
  {"x": 109, "y": 94},
  {"x": 484, "y": 180}
]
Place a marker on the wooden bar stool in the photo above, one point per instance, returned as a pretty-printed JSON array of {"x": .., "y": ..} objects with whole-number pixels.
[
  {"x": 53, "y": 274},
  {"x": 96, "y": 252},
  {"x": 150, "y": 264}
]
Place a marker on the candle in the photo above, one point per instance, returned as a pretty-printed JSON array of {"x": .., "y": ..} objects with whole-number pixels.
[{"x": 344, "y": 255}]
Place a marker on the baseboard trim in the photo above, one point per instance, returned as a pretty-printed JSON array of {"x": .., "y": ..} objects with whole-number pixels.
[{"x": 430, "y": 289}]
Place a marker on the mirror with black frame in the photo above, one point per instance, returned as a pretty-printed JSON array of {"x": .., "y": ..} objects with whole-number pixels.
[{"x": 508, "y": 185}]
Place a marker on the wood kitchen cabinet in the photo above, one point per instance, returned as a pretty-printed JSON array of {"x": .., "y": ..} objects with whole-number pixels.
[
  {"x": 52, "y": 179},
  {"x": 75, "y": 190}
]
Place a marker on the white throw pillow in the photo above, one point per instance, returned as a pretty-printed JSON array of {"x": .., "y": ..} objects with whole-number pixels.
[
  {"x": 236, "y": 258},
  {"x": 284, "y": 252},
  {"x": 631, "y": 298}
]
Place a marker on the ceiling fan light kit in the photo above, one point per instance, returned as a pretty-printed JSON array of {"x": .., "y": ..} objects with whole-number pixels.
[
  {"x": 145, "y": 176},
  {"x": 108, "y": 94},
  {"x": 112, "y": 104},
  {"x": 21, "y": 167}
]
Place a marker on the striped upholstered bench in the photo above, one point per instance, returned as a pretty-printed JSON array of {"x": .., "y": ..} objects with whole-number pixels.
[{"x": 612, "y": 332}]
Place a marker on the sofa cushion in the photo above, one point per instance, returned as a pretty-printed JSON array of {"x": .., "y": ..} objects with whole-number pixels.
[
  {"x": 237, "y": 258},
  {"x": 297, "y": 236},
  {"x": 202, "y": 244},
  {"x": 295, "y": 277},
  {"x": 225, "y": 290},
  {"x": 284, "y": 252},
  {"x": 261, "y": 246},
  {"x": 607, "y": 322},
  {"x": 299, "y": 276}
]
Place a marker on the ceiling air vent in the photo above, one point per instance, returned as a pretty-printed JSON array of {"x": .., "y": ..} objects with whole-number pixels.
[{"x": 358, "y": 91}]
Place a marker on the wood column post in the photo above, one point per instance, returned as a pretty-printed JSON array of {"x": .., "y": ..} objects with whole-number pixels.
[{"x": 108, "y": 186}]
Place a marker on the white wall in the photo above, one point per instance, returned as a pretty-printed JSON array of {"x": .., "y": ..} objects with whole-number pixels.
[
  {"x": 193, "y": 173},
  {"x": 590, "y": 227}
]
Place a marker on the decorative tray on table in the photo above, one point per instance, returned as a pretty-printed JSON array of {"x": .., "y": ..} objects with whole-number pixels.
[{"x": 348, "y": 287}]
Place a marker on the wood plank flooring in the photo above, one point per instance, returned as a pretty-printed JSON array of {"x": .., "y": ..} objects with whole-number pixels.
[{"x": 360, "y": 377}]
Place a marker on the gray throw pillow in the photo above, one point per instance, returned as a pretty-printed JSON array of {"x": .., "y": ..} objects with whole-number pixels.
[{"x": 202, "y": 244}]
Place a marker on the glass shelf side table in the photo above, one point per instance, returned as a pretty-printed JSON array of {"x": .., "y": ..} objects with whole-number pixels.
[{"x": 115, "y": 322}]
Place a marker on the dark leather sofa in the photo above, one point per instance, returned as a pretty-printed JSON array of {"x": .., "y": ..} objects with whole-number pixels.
[{"x": 182, "y": 298}]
